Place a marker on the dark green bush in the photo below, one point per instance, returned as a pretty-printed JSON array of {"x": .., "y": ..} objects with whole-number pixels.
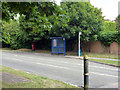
[{"x": 108, "y": 37}]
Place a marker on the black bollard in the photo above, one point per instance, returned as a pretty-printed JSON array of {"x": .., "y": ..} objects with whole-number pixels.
[{"x": 86, "y": 78}]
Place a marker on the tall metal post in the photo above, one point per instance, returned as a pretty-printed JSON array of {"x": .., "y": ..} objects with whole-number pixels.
[
  {"x": 79, "y": 44},
  {"x": 64, "y": 46},
  {"x": 86, "y": 77}
]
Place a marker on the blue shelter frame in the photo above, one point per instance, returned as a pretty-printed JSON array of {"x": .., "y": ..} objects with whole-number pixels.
[{"x": 58, "y": 45}]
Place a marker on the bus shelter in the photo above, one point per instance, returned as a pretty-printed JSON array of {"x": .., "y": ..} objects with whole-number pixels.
[{"x": 58, "y": 45}]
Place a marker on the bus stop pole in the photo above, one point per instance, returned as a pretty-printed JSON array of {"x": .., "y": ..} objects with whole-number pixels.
[
  {"x": 79, "y": 44},
  {"x": 86, "y": 77},
  {"x": 64, "y": 47}
]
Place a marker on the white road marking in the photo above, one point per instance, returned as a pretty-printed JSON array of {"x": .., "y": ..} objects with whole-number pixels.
[
  {"x": 104, "y": 68},
  {"x": 73, "y": 63},
  {"x": 66, "y": 62},
  {"x": 53, "y": 65},
  {"x": 69, "y": 69},
  {"x": 100, "y": 67},
  {"x": 83, "y": 65},
  {"x": 18, "y": 59},
  {"x": 104, "y": 74}
]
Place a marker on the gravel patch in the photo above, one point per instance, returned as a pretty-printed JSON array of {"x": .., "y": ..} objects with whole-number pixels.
[{"x": 11, "y": 78}]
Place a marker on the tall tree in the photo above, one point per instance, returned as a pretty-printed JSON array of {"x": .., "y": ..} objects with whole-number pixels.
[
  {"x": 118, "y": 22},
  {"x": 38, "y": 24},
  {"x": 81, "y": 16},
  {"x": 34, "y": 18},
  {"x": 10, "y": 9},
  {"x": 118, "y": 27}
]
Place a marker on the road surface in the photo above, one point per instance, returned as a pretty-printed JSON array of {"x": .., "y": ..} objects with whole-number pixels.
[{"x": 68, "y": 70}]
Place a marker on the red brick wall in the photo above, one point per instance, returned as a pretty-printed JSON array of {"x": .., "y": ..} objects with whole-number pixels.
[
  {"x": 97, "y": 47},
  {"x": 114, "y": 48}
]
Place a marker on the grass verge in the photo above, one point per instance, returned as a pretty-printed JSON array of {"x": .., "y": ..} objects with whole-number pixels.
[
  {"x": 117, "y": 63},
  {"x": 102, "y": 55},
  {"x": 36, "y": 81}
]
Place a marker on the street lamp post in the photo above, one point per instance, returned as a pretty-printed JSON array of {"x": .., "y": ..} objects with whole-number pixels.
[{"x": 79, "y": 53}]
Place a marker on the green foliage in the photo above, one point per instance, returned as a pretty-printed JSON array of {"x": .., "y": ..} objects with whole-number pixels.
[
  {"x": 108, "y": 37},
  {"x": 118, "y": 28},
  {"x": 109, "y": 26},
  {"x": 118, "y": 37},
  {"x": 109, "y": 34},
  {"x": 10, "y": 9},
  {"x": 41, "y": 20},
  {"x": 9, "y": 29},
  {"x": 118, "y": 22},
  {"x": 38, "y": 25},
  {"x": 34, "y": 22},
  {"x": 11, "y": 33},
  {"x": 79, "y": 16}
]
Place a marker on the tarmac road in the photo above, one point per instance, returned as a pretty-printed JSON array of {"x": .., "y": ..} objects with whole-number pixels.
[{"x": 69, "y": 70}]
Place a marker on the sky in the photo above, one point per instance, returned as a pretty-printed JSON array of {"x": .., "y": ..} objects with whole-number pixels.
[{"x": 108, "y": 7}]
